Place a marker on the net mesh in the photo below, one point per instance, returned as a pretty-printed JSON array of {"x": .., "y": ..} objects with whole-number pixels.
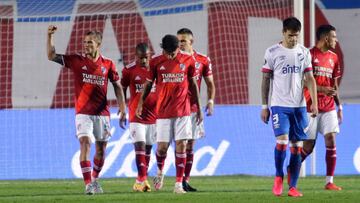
[{"x": 28, "y": 80}]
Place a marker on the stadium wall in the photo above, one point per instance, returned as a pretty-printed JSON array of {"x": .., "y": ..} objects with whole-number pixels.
[
  {"x": 29, "y": 80},
  {"x": 236, "y": 142}
]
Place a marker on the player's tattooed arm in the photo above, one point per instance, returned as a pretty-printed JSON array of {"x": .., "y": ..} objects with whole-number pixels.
[
  {"x": 337, "y": 100},
  {"x": 147, "y": 89},
  {"x": 311, "y": 85},
  {"x": 58, "y": 59},
  {"x": 194, "y": 89},
  {"x": 52, "y": 55},
  {"x": 336, "y": 87},
  {"x": 265, "y": 88}
]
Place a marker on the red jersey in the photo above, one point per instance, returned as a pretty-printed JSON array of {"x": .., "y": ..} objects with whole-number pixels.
[
  {"x": 204, "y": 68},
  {"x": 172, "y": 84},
  {"x": 91, "y": 81},
  {"x": 326, "y": 68},
  {"x": 134, "y": 77}
]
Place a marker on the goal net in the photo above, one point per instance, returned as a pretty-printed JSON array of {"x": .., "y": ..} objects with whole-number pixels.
[{"x": 37, "y": 96}]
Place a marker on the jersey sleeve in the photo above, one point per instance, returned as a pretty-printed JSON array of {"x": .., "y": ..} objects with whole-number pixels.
[
  {"x": 207, "y": 70},
  {"x": 307, "y": 62},
  {"x": 113, "y": 74},
  {"x": 337, "y": 68},
  {"x": 268, "y": 64},
  {"x": 125, "y": 77},
  {"x": 70, "y": 61}
]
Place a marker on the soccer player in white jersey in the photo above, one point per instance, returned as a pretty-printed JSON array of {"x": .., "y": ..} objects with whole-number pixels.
[
  {"x": 91, "y": 72},
  {"x": 287, "y": 67},
  {"x": 327, "y": 73},
  {"x": 203, "y": 65}
]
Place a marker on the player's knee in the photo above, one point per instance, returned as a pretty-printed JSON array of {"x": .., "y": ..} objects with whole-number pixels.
[
  {"x": 180, "y": 145},
  {"x": 140, "y": 146},
  {"x": 330, "y": 139},
  {"x": 308, "y": 146},
  {"x": 308, "y": 150},
  {"x": 148, "y": 149},
  {"x": 162, "y": 149},
  {"x": 190, "y": 144},
  {"x": 85, "y": 141}
]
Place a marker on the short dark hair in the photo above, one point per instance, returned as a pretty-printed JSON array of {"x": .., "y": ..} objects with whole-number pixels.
[
  {"x": 169, "y": 43},
  {"x": 292, "y": 24},
  {"x": 142, "y": 47},
  {"x": 97, "y": 34},
  {"x": 324, "y": 30},
  {"x": 184, "y": 31}
]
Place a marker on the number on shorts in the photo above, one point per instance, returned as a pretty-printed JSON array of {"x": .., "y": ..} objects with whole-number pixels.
[{"x": 275, "y": 119}]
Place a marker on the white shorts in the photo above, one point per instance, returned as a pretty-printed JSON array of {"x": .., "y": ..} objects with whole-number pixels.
[
  {"x": 140, "y": 132},
  {"x": 178, "y": 128},
  {"x": 95, "y": 127},
  {"x": 197, "y": 131},
  {"x": 324, "y": 123}
]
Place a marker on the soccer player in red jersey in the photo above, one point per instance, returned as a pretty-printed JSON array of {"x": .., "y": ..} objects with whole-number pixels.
[
  {"x": 175, "y": 74},
  {"x": 142, "y": 130},
  {"x": 204, "y": 67},
  {"x": 91, "y": 74},
  {"x": 327, "y": 74}
]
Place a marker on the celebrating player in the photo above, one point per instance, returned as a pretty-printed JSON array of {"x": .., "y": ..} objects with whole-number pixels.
[
  {"x": 91, "y": 74},
  {"x": 175, "y": 74},
  {"x": 142, "y": 130},
  {"x": 326, "y": 70},
  {"x": 286, "y": 65},
  {"x": 203, "y": 65}
]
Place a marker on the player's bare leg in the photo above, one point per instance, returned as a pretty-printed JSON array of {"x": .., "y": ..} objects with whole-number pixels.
[
  {"x": 85, "y": 164},
  {"x": 139, "y": 185},
  {"x": 330, "y": 161},
  {"x": 308, "y": 147},
  {"x": 189, "y": 161},
  {"x": 180, "y": 162},
  {"x": 161, "y": 153},
  {"x": 99, "y": 158},
  {"x": 279, "y": 156}
]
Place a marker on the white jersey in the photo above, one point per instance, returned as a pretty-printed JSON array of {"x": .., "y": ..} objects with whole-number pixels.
[{"x": 288, "y": 67}]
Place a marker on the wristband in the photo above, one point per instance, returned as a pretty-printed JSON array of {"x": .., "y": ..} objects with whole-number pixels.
[
  {"x": 211, "y": 101},
  {"x": 340, "y": 107},
  {"x": 264, "y": 106}
]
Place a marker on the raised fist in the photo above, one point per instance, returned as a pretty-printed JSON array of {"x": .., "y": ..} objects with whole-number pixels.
[{"x": 51, "y": 29}]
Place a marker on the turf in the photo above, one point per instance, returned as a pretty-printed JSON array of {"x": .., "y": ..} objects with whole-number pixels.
[{"x": 211, "y": 190}]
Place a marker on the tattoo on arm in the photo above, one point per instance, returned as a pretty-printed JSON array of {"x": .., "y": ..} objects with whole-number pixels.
[
  {"x": 337, "y": 97},
  {"x": 195, "y": 90},
  {"x": 124, "y": 90},
  {"x": 147, "y": 90},
  {"x": 58, "y": 59},
  {"x": 265, "y": 87}
]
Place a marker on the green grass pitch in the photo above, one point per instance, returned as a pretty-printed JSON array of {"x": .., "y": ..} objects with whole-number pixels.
[{"x": 216, "y": 189}]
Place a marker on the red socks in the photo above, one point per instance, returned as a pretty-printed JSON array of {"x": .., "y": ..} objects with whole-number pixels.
[
  {"x": 189, "y": 162},
  {"x": 86, "y": 171},
  {"x": 330, "y": 160},
  {"x": 180, "y": 161}
]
